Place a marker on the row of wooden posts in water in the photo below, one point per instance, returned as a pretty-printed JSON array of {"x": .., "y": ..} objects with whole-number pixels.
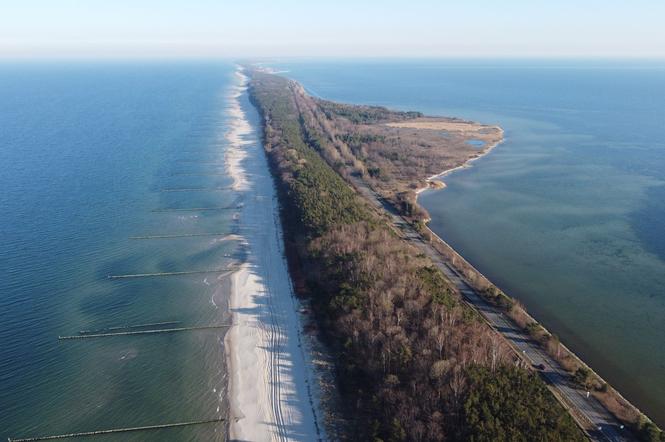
[
  {"x": 130, "y": 330},
  {"x": 117, "y": 430},
  {"x": 143, "y": 332}
]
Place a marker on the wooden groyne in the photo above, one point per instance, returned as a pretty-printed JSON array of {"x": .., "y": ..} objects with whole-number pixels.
[
  {"x": 149, "y": 275},
  {"x": 117, "y": 430},
  {"x": 182, "y": 235},
  {"x": 194, "y": 209},
  {"x": 143, "y": 332},
  {"x": 128, "y": 327},
  {"x": 194, "y": 189}
]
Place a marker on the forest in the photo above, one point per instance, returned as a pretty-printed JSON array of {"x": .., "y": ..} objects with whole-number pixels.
[{"x": 413, "y": 362}]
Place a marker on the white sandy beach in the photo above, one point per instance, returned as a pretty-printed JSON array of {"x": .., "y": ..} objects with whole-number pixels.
[{"x": 273, "y": 389}]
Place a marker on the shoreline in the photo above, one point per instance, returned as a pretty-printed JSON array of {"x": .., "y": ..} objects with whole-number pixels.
[
  {"x": 273, "y": 389},
  {"x": 465, "y": 165},
  {"x": 625, "y": 405}
]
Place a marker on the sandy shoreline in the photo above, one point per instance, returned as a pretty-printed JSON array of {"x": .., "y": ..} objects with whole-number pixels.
[
  {"x": 273, "y": 388},
  {"x": 437, "y": 177}
]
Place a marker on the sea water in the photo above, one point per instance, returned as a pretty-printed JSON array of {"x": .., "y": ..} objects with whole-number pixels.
[
  {"x": 568, "y": 214},
  {"x": 86, "y": 152}
]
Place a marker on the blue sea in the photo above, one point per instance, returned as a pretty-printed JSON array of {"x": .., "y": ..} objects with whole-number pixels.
[
  {"x": 568, "y": 215},
  {"x": 88, "y": 153}
]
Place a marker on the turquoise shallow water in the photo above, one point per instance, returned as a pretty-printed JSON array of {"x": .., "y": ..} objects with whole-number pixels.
[
  {"x": 84, "y": 151},
  {"x": 568, "y": 214}
]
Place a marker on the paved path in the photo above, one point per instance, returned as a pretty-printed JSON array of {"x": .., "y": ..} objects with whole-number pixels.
[{"x": 604, "y": 427}]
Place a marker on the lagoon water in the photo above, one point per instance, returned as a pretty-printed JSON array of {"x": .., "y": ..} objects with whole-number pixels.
[
  {"x": 85, "y": 150},
  {"x": 568, "y": 215}
]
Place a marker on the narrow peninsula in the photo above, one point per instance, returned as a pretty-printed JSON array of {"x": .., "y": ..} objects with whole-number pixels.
[{"x": 426, "y": 348}]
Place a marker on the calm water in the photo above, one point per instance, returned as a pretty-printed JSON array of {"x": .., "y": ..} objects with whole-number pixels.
[
  {"x": 84, "y": 153},
  {"x": 569, "y": 214}
]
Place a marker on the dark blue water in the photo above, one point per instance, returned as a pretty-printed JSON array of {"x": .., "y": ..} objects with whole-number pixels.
[
  {"x": 84, "y": 152},
  {"x": 568, "y": 215}
]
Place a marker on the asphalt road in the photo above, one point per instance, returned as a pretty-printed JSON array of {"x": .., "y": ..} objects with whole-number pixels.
[{"x": 601, "y": 425}]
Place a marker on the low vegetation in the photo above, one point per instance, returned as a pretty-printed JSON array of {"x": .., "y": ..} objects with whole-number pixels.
[
  {"x": 390, "y": 150},
  {"x": 413, "y": 361}
]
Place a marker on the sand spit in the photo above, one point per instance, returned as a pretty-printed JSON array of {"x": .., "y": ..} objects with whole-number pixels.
[
  {"x": 273, "y": 388},
  {"x": 435, "y": 182}
]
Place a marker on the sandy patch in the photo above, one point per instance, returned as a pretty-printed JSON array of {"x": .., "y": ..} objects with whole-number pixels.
[
  {"x": 447, "y": 125},
  {"x": 273, "y": 394}
]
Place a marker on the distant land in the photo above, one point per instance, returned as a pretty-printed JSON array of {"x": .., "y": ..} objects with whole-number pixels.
[{"x": 426, "y": 347}]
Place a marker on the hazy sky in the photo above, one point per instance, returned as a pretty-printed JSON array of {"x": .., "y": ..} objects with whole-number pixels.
[{"x": 196, "y": 28}]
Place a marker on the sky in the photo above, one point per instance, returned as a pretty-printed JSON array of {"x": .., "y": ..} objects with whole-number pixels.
[{"x": 339, "y": 28}]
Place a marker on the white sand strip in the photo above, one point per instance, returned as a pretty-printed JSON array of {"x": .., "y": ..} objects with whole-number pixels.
[
  {"x": 239, "y": 135},
  {"x": 271, "y": 379}
]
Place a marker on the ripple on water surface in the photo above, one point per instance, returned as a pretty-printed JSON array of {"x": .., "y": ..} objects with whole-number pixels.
[{"x": 91, "y": 148}]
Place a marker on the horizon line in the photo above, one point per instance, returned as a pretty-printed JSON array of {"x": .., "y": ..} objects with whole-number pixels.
[{"x": 355, "y": 57}]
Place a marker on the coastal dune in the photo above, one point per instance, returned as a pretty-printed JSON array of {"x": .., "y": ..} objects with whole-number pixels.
[{"x": 272, "y": 386}]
